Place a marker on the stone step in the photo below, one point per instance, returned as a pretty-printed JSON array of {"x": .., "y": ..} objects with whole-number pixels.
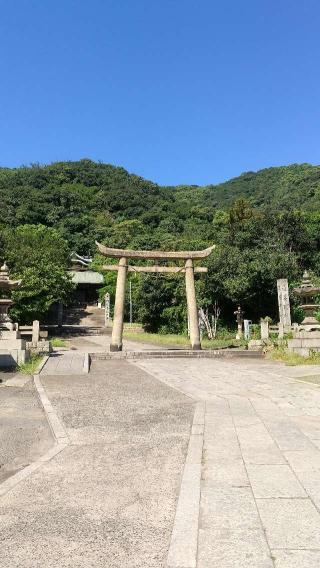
[
  {"x": 74, "y": 330},
  {"x": 176, "y": 353}
]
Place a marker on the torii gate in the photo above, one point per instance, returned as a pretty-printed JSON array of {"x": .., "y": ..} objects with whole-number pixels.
[{"x": 122, "y": 268}]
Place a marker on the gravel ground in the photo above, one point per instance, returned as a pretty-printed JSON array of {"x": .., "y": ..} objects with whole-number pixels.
[{"x": 109, "y": 498}]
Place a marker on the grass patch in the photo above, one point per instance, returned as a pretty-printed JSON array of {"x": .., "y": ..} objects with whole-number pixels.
[
  {"x": 312, "y": 379},
  {"x": 128, "y": 325},
  {"x": 58, "y": 342},
  {"x": 30, "y": 367},
  {"x": 175, "y": 340},
  {"x": 294, "y": 359}
]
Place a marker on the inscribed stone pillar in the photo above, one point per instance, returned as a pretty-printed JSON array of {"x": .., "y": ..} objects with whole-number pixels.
[
  {"x": 192, "y": 306},
  {"x": 106, "y": 309},
  {"x": 117, "y": 329},
  {"x": 283, "y": 301}
]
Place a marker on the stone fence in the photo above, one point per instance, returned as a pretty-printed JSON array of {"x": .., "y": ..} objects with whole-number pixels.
[{"x": 39, "y": 338}]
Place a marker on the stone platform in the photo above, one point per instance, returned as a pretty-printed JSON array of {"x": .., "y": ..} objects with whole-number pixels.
[
  {"x": 304, "y": 342},
  {"x": 12, "y": 349}
]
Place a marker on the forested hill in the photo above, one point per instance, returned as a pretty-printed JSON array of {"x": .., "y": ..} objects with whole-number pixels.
[
  {"x": 266, "y": 226},
  {"x": 295, "y": 187},
  {"x": 84, "y": 198}
]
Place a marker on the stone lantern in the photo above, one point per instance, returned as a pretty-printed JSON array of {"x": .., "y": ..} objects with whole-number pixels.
[
  {"x": 307, "y": 293},
  {"x": 5, "y": 303},
  {"x": 12, "y": 347}
]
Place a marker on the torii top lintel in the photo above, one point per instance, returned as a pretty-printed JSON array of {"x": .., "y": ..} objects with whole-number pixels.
[{"x": 155, "y": 254}]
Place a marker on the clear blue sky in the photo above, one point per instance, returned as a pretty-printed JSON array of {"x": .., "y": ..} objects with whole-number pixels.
[{"x": 177, "y": 91}]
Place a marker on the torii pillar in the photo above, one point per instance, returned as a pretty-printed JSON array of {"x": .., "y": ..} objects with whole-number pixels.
[
  {"x": 117, "y": 328},
  {"x": 192, "y": 306}
]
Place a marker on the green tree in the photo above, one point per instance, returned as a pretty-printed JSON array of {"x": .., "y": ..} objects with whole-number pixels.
[{"x": 39, "y": 256}]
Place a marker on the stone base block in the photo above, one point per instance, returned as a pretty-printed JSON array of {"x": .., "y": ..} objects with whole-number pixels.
[
  {"x": 115, "y": 347},
  {"x": 310, "y": 328},
  {"x": 38, "y": 347},
  {"x": 12, "y": 343},
  {"x": 13, "y": 357},
  {"x": 6, "y": 334},
  {"x": 303, "y": 344},
  {"x": 255, "y": 345},
  {"x": 303, "y": 334}
]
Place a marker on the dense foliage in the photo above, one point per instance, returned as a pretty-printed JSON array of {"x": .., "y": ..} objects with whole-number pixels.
[
  {"x": 39, "y": 256},
  {"x": 266, "y": 225}
]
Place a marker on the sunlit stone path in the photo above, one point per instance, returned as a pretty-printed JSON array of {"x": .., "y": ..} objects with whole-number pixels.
[{"x": 259, "y": 480}]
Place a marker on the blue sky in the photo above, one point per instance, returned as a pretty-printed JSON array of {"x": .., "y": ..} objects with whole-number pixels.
[{"x": 177, "y": 91}]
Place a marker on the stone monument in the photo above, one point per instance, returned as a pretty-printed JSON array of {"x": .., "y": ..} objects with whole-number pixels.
[
  {"x": 123, "y": 267},
  {"x": 12, "y": 347},
  {"x": 284, "y": 303},
  {"x": 106, "y": 309}
]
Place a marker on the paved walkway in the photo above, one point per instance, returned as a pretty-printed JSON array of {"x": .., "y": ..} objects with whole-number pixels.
[
  {"x": 260, "y": 478},
  {"x": 71, "y": 361},
  {"x": 108, "y": 499},
  {"x": 128, "y": 491}
]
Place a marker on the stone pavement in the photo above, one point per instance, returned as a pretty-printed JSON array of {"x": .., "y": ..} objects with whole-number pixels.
[
  {"x": 140, "y": 486},
  {"x": 64, "y": 363},
  {"x": 260, "y": 466}
]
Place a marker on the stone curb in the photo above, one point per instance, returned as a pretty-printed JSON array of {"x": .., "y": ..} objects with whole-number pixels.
[
  {"x": 41, "y": 365},
  {"x": 56, "y": 426},
  {"x": 59, "y": 433},
  {"x": 86, "y": 363},
  {"x": 184, "y": 536}
]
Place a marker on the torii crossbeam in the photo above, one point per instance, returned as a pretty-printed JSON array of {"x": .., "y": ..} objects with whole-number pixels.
[{"x": 122, "y": 268}]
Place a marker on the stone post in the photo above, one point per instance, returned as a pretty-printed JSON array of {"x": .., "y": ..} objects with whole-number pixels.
[
  {"x": 264, "y": 330},
  {"x": 192, "y": 306},
  {"x": 35, "y": 331},
  {"x": 117, "y": 329},
  {"x": 246, "y": 328}
]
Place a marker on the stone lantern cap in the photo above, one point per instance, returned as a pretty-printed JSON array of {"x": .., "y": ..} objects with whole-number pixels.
[
  {"x": 306, "y": 288},
  {"x": 5, "y": 282}
]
